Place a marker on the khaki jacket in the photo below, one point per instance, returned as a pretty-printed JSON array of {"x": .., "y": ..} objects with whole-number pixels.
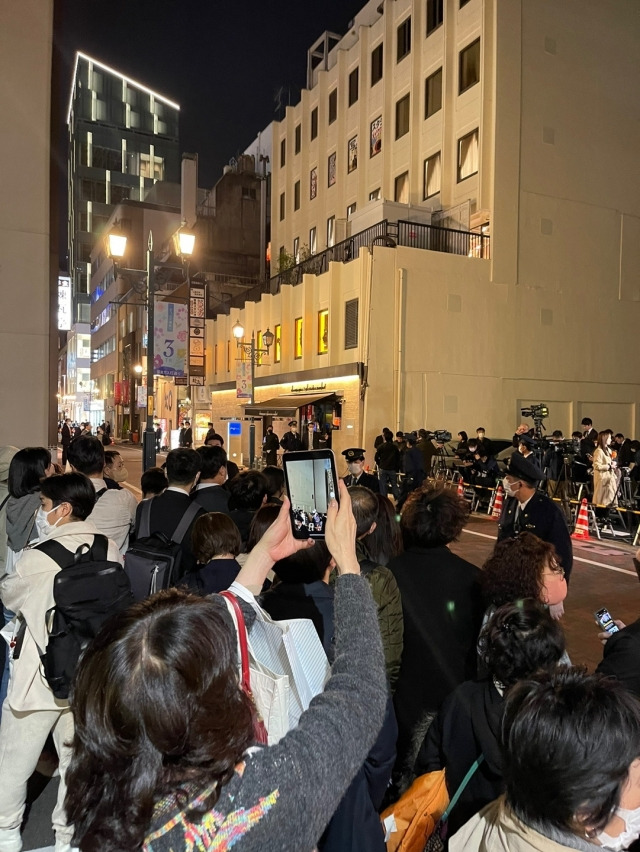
[{"x": 29, "y": 593}]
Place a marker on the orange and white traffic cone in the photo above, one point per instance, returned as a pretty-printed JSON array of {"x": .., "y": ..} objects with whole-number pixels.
[
  {"x": 581, "y": 530},
  {"x": 460, "y": 488},
  {"x": 497, "y": 505}
]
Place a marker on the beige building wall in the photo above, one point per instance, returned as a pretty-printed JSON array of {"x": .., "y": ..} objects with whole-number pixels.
[{"x": 26, "y": 301}]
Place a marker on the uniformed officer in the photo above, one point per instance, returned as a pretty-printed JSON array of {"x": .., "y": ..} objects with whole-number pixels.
[
  {"x": 527, "y": 509},
  {"x": 357, "y": 474},
  {"x": 291, "y": 441}
]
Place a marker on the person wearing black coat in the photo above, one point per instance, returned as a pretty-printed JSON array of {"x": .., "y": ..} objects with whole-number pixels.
[
  {"x": 291, "y": 441},
  {"x": 527, "y": 509},
  {"x": 216, "y": 542},
  {"x": 520, "y": 640},
  {"x": 65, "y": 438},
  {"x": 442, "y": 608},
  {"x": 621, "y": 654},
  {"x": 209, "y": 491}
]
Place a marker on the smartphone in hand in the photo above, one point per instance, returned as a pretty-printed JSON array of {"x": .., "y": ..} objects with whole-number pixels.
[
  {"x": 605, "y": 622},
  {"x": 311, "y": 483}
]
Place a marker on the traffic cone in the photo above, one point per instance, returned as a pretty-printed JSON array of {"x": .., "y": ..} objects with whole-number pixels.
[
  {"x": 460, "y": 488},
  {"x": 497, "y": 505},
  {"x": 581, "y": 530}
]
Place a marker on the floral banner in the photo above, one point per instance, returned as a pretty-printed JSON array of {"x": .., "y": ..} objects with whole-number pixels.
[{"x": 170, "y": 339}]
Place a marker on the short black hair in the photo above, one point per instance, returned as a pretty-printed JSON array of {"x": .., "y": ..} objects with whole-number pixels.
[
  {"x": 305, "y": 566},
  {"x": 587, "y": 421},
  {"x": 110, "y": 457},
  {"x": 433, "y": 516},
  {"x": 521, "y": 639},
  {"x": 153, "y": 481},
  {"x": 364, "y": 507},
  {"x": 183, "y": 465},
  {"x": 73, "y": 488},
  {"x": 275, "y": 479},
  {"x": 569, "y": 739},
  {"x": 557, "y": 433},
  {"x": 618, "y": 435},
  {"x": 248, "y": 489},
  {"x": 216, "y": 437},
  {"x": 215, "y": 534},
  {"x": 86, "y": 454},
  {"x": 26, "y": 469},
  {"x": 212, "y": 458}
]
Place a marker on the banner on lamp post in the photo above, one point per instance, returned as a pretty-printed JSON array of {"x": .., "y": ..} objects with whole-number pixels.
[
  {"x": 244, "y": 388},
  {"x": 170, "y": 339},
  {"x": 142, "y": 396}
]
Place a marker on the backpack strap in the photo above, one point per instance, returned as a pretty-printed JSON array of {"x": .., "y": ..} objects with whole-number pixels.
[
  {"x": 99, "y": 548},
  {"x": 145, "y": 519},
  {"x": 4, "y": 501},
  {"x": 54, "y": 550},
  {"x": 454, "y": 800},
  {"x": 101, "y": 493},
  {"x": 185, "y": 523}
]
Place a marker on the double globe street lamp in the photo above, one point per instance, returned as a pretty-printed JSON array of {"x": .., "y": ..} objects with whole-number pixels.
[
  {"x": 117, "y": 246},
  {"x": 252, "y": 354}
]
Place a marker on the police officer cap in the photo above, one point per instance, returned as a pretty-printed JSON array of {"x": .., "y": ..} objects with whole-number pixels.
[
  {"x": 353, "y": 454},
  {"x": 293, "y": 423},
  {"x": 527, "y": 440},
  {"x": 523, "y": 469}
]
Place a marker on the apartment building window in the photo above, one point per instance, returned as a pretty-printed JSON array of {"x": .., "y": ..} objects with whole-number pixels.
[
  {"x": 351, "y": 324},
  {"x": 468, "y": 155},
  {"x": 375, "y": 145},
  {"x": 323, "y": 332},
  {"x": 432, "y": 175},
  {"x": 297, "y": 143},
  {"x": 376, "y": 65},
  {"x": 469, "y": 69},
  {"x": 351, "y": 209},
  {"x": 433, "y": 94},
  {"x": 296, "y": 249},
  {"x": 375, "y": 195},
  {"x": 297, "y": 340},
  {"x": 403, "y": 40},
  {"x": 313, "y": 183},
  {"x": 314, "y": 122},
  {"x": 296, "y": 195},
  {"x": 331, "y": 231},
  {"x": 333, "y": 106},
  {"x": 331, "y": 169},
  {"x": 352, "y": 154},
  {"x": 402, "y": 116},
  {"x": 282, "y": 206},
  {"x": 313, "y": 240},
  {"x": 401, "y": 188},
  {"x": 435, "y": 15},
  {"x": 353, "y": 86},
  {"x": 277, "y": 343},
  {"x": 283, "y": 152}
]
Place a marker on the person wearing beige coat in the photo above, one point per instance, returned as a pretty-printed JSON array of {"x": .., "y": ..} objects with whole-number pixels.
[
  {"x": 605, "y": 479},
  {"x": 31, "y": 711}
]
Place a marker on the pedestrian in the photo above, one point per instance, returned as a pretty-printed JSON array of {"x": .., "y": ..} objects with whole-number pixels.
[
  {"x": 605, "y": 481},
  {"x": 65, "y": 439},
  {"x": 388, "y": 460},
  {"x": 158, "y": 437},
  {"x": 270, "y": 447},
  {"x": 186, "y": 435},
  {"x": 291, "y": 441}
]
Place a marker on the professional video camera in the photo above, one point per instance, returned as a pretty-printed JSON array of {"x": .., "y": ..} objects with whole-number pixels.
[
  {"x": 440, "y": 436},
  {"x": 535, "y": 411}
]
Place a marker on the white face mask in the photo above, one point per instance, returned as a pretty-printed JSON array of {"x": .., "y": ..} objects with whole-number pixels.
[
  {"x": 119, "y": 475},
  {"x": 355, "y": 468},
  {"x": 508, "y": 488},
  {"x": 42, "y": 522},
  {"x": 630, "y": 832}
]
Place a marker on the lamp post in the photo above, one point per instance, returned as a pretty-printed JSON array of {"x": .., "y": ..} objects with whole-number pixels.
[
  {"x": 117, "y": 243},
  {"x": 250, "y": 351}
]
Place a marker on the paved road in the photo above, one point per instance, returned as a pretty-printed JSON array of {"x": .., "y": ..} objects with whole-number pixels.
[{"x": 603, "y": 575}]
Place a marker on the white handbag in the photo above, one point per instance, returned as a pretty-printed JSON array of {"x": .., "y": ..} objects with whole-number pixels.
[
  {"x": 291, "y": 647},
  {"x": 269, "y": 691}
]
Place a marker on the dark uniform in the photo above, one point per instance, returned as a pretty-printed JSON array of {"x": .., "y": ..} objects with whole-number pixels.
[
  {"x": 541, "y": 516},
  {"x": 270, "y": 445},
  {"x": 291, "y": 442},
  {"x": 368, "y": 480}
]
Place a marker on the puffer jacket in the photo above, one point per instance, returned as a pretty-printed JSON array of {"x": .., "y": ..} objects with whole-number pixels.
[{"x": 386, "y": 594}]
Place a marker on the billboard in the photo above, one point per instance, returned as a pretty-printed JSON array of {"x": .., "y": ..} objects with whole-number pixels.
[
  {"x": 64, "y": 303},
  {"x": 171, "y": 332}
]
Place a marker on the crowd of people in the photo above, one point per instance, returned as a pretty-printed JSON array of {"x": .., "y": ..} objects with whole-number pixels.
[{"x": 435, "y": 664}]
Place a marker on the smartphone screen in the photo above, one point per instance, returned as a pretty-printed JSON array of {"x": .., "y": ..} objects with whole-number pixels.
[
  {"x": 311, "y": 483},
  {"x": 604, "y": 620}
]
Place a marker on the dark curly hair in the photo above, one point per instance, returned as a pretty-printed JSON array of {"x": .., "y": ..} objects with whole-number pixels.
[
  {"x": 156, "y": 705},
  {"x": 519, "y": 640},
  {"x": 514, "y": 570},
  {"x": 433, "y": 516}
]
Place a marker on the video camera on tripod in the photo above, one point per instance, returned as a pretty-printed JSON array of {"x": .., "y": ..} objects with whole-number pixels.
[
  {"x": 440, "y": 436},
  {"x": 538, "y": 413}
]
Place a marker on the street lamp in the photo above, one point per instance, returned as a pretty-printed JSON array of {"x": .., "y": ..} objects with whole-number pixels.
[
  {"x": 117, "y": 243},
  {"x": 250, "y": 352}
]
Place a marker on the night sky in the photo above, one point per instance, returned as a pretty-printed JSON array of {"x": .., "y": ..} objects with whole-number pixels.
[{"x": 222, "y": 62}]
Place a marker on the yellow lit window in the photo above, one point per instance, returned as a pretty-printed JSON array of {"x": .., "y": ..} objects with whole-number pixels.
[
  {"x": 277, "y": 344},
  {"x": 258, "y": 348},
  {"x": 323, "y": 332},
  {"x": 297, "y": 346}
]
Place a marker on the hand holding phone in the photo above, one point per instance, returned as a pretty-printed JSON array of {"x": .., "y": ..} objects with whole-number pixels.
[
  {"x": 605, "y": 622},
  {"x": 311, "y": 483}
]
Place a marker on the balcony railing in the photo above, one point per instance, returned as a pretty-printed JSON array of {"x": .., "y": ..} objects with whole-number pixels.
[{"x": 467, "y": 243}]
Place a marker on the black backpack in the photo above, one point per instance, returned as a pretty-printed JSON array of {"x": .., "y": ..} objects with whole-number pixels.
[
  {"x": 152, "y": 562},
  {"x": 88, "y": 589}
]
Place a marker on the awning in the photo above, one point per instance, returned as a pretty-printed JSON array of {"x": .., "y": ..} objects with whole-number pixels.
[{"x": 285, "y": 406}]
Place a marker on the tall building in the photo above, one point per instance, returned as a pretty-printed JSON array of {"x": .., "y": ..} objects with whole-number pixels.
[
  {"x": 123, "y": 137},
  {"x": 453, "y": 193}
]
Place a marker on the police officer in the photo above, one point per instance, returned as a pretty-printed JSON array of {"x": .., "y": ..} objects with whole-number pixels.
[
  {"x": 527, "y": 509},
  {"x": 291, "y": 441},
  {"x": 526, "y": 446},
  {"x": 357, "y": 474}
]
